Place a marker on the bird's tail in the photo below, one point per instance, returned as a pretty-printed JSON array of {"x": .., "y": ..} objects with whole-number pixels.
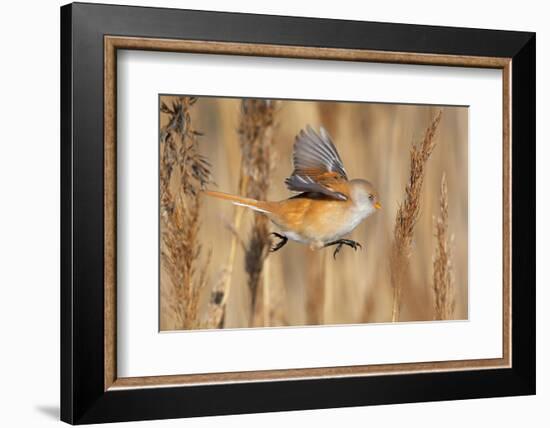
[{"x": 260, "y": 206}]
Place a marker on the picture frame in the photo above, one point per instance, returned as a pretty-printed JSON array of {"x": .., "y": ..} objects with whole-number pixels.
[{"x": 91, "y": 35}]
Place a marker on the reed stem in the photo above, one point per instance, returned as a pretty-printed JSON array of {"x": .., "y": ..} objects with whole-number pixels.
[
  {"x": 407, "y": 215},
  {"x": 184, "y": 173},
  {"x": 256, "y": 138},
  {"x": 443, "y": 288}
]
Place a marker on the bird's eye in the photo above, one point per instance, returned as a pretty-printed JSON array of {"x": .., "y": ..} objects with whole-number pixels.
[{"x": 371, "y": 197}]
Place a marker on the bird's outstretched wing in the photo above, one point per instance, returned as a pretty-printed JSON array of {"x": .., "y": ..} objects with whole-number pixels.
[{"x": 317, "y": 165}]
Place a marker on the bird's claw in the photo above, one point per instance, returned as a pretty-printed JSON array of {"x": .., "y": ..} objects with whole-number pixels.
[
  {"x": 353, "y": 244},
  {"x": 337, "y": 250},
  {"x": 280, "y": 244}
]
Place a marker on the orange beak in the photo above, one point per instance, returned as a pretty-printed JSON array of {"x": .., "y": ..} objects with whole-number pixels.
[{"x": 378, "y": 205}]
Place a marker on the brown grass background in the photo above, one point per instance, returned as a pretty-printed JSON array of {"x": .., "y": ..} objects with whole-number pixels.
[{"x": 310, "y": 287}]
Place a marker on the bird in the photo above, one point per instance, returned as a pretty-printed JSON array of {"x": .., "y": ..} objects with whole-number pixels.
[{"x": 328, "y": 206}]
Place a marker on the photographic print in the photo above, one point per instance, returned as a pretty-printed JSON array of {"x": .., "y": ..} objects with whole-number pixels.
[{"x": 276, "y": 212}]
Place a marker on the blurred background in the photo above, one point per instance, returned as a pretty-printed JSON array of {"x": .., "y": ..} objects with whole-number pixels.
[{"x": 310, "y": 287}]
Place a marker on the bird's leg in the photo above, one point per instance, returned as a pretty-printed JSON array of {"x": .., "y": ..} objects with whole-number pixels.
[
  {"x": 340, "y": 242},
  {"x": 280, "y": 244},
  {"x": 338, "y": 248},
  {"x": 351, "y": 243}
]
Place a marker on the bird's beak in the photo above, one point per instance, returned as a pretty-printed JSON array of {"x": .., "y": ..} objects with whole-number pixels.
[{"x": 378, "y": 205}]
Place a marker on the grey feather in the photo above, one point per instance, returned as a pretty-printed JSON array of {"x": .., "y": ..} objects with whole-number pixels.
[{"x": 314, "y": 151}]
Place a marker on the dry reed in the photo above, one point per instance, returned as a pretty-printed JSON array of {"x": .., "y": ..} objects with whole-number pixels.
[
  {"x": 315, "y": 287},
  {"x": 407, "y": 215},
  {"x": 256, "y": 139},
  {"x": 443, "y": 289},
  {"x": 185, "y": 169},
  {"x": 221, "y": 290}
]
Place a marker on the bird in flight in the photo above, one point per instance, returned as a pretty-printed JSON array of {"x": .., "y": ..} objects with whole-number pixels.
[{"x": 328, "y": 207}]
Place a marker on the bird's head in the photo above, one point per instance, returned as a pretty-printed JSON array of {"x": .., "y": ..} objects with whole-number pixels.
[{"x": 364, "y": 196}]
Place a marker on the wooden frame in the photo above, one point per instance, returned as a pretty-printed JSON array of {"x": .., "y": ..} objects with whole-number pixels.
[
  {"x": 112, "y": 43},
  {"x": 91, "y": 391}
]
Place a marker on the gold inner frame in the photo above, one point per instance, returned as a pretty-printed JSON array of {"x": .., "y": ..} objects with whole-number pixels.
[{"x": 112, "y": 43}]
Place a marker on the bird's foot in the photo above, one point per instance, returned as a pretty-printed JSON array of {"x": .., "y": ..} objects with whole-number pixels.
[
  {"x": 280, "y": 244},
  {"x": 353, "y": 244}
]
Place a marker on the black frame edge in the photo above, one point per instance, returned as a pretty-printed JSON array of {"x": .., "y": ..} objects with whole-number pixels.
[
  {"x": 524, "y": 219},
  {"x": 66, "y": 306},
  {"x": 83, "y": 399},
  {"x": 304, "y": 31}
]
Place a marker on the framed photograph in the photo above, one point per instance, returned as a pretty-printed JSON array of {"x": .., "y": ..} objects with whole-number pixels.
[{"x": 265, "y": 213}]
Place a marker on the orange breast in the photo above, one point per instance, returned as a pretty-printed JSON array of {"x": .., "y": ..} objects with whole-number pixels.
[{"x": 315, "y": 219}]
